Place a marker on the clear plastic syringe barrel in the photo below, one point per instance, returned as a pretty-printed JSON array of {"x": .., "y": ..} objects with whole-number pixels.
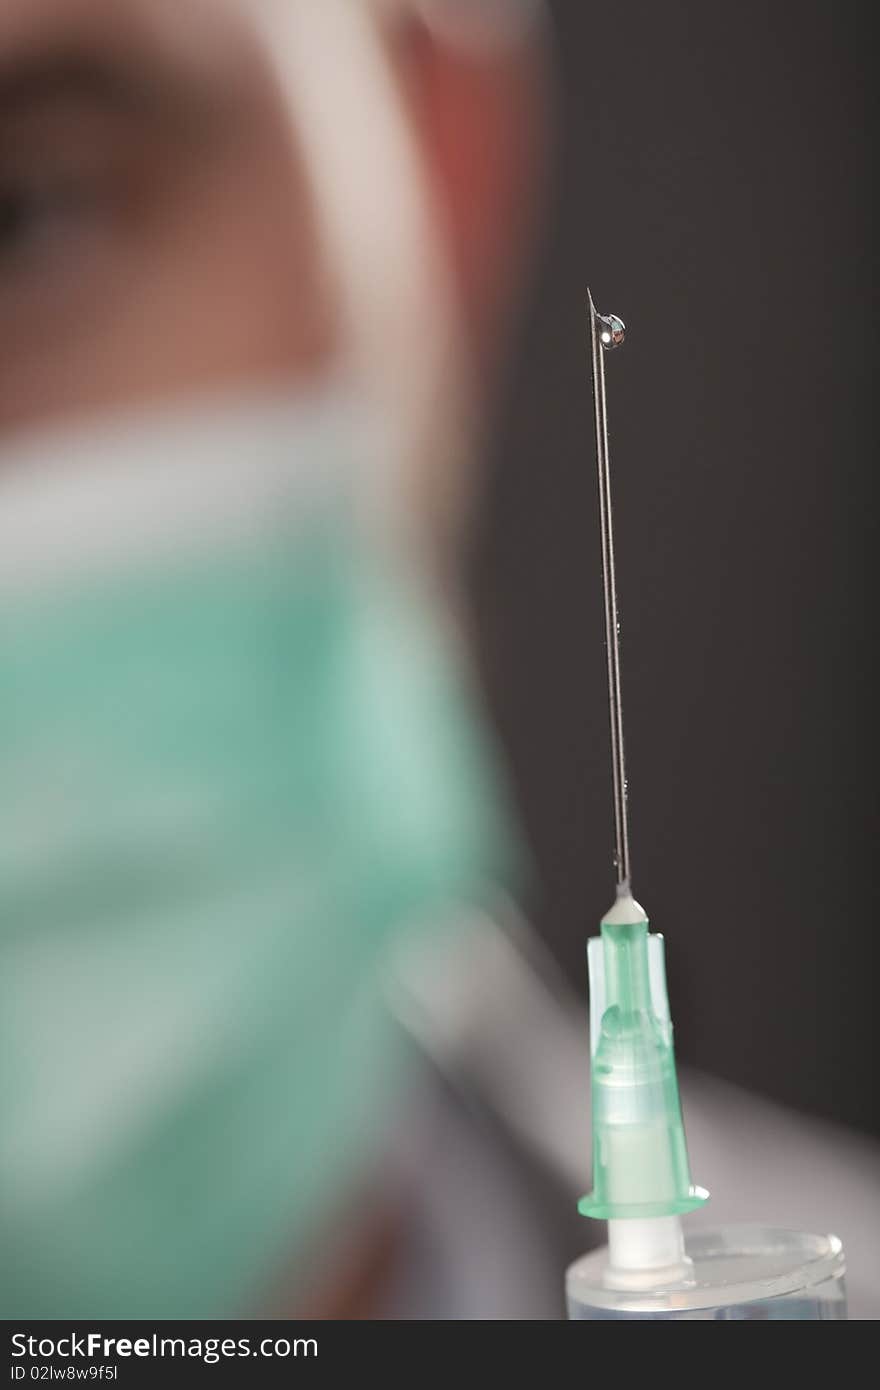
[{"x": 740, "y": 1273}]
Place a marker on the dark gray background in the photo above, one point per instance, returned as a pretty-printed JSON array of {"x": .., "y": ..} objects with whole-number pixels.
[{"x": 713, "y": 191}]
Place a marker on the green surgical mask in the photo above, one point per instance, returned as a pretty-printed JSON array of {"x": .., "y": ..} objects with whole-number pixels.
[{"x": 237, "y": 769}]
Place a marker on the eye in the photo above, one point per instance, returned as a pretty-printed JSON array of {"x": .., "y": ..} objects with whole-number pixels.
[
  {"x": 64, "y": 169},
  {"x": 39, "y": 216}
]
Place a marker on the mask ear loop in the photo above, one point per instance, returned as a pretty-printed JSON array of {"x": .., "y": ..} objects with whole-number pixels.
[{"x": 404, "y": 343}]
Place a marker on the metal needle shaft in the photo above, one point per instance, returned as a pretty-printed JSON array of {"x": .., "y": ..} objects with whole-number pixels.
[{"x": 607, "y": 332}]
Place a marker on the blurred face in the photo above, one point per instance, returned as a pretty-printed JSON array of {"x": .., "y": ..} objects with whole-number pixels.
[
  {"x": 155, "y": 236},
  {"x": 198, "y": 737}
]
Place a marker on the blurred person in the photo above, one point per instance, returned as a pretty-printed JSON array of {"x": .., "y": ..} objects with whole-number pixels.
[{"x": 254, "y": 257}]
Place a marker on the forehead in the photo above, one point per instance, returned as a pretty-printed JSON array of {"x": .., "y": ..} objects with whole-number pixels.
[
  {"x": 22, "y": 20},
  {"x": 188, "y": 53},
  {"x": 203, "y": 34}
]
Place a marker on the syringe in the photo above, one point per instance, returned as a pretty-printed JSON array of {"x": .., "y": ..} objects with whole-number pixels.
[{"x": 641, "y": 1173}]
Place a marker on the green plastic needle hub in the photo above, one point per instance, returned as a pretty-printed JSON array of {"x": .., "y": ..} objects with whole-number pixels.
[{"x": 640, "y": 1159}]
